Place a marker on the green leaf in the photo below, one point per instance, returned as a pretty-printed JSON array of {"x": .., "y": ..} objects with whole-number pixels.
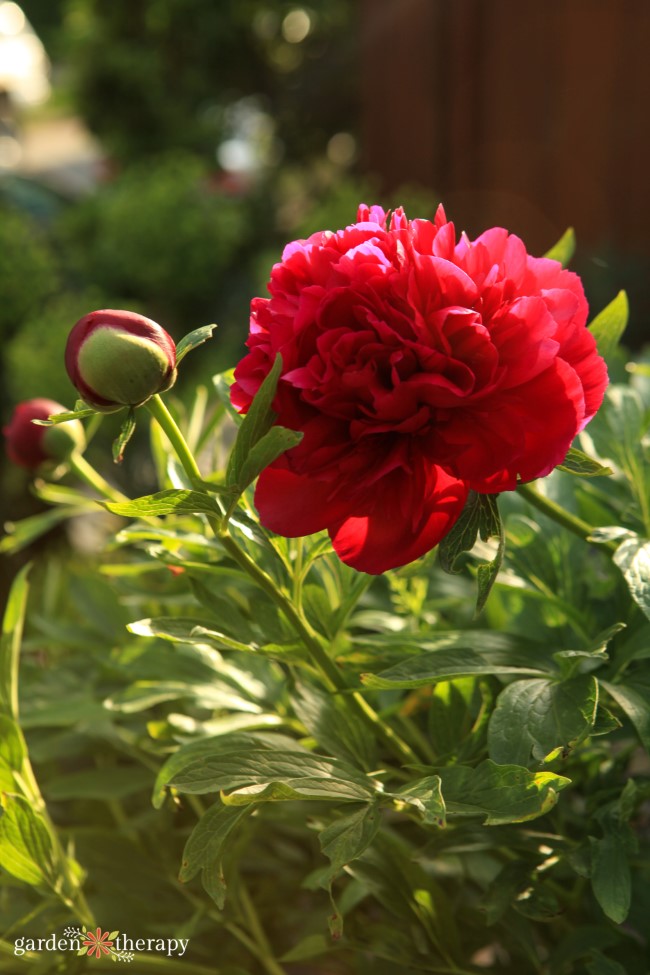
[
  {"x": 443, "y": 665},
  {"x": 214, "y": 883},
  {"x": 464, "y": 533},
  {"x": 273, "y": 775},
  {"x": 335, "y": 726},
  {"x": 499, "y": 793},
  {"x": 564, "y": 249},
  {"x": 12, "y": 634},
  {"x": 12, "y": 744},
  {"x": 635, "y": 703},
  {"x": 633, "y": 559},
  {"x": 347, "y": 838},
  {"x": 611, "y": 880},
  {"x": 22, "y": 533},
  {"x": 311, "y": 946},
  {"x": 533, "y": 719},
  {"x": 126, "y": 432},
  {"x": 179, "y": 502},
  {"x": 25, "y": 843},
  {"x": 207, "y": 840},
  {"x": 579, "y": 463},
  {"x": 608, "y": 326},
  {"x": 181, "y": 629},
  {"x": 258, "y": 421},
  {"x": 602, "y": 965},
  {"x": 426, "y": 795},
  {"x": 75, "y": 414},
  {"x": 192, "y": 340},
  {"x": 143, "y": 694},
  {"x": 487, "y": 572},
  {"x": 264, "y": 452},
  {"x": 206, "y": 747}
]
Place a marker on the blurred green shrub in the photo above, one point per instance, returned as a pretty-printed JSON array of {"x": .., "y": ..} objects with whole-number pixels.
[
  {"x": 161, "y": 235},
  {"x": 161, "y": 73},
  {"x": 29, "y": 272}
]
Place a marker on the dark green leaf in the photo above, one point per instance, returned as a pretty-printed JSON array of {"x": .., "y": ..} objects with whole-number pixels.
[
  {"x": 602, "y": 965},
  {"x": 635, "y": 703},
  {"x": 442, "y": 665},
  {"x": 610, "y": 874},
  {"x": 534, "y": 719},
  {"x": 192, "y": 340},
  {"x": 180, "y": 502},
  {"x": 126, "y": 432},
  {"x": 214, "y": 883},
  {"x": 491, "y": 526},
  {"x": 206, "y": 747},
  {"x": 309, "y": 947},
  {"x": 206, "y": 841},
  {"x": 265, "y": 451},
  {"x": 346, "y": 838},
  {"x": 464, "y": 533},
  {"x": 579, "y": 463},
  {"x": 499, "y": 793},
  {"x": 608, "y": 326},
  {"x": 256, "y": 423},
  {"x": 272, "y": 775},
  {"x": 564, "y": 249}
]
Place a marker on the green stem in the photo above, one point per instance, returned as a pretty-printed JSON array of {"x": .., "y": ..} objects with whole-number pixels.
[
  {"x": 80, "y": 466},
  {"x": 167, "y": 422},
  {"x": 330, "y": 672},
  {"x": 266, "y": 955},
  {"x": 552, "y": 510}
]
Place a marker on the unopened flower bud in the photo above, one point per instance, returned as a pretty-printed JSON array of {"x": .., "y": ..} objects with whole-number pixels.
[
  {"x": 30, "y": 445},
  {"x": 119, "y": 358}
]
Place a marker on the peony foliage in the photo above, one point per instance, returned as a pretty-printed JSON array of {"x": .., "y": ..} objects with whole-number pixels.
[{"x": 390, "y": 719}]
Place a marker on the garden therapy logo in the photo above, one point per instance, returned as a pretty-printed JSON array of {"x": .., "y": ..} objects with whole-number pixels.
[{"x": 98, "y": 944}]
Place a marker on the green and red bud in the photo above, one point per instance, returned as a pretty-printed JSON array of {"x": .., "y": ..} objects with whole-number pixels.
[
  {"x": 30, "y": 445},
  {"x": 119, "y": 358}
]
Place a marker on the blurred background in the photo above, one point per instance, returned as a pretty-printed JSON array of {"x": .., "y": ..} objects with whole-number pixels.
[{"x": 157, "y": 154}]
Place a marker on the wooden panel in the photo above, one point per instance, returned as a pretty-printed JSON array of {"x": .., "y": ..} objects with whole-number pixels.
[{"x": 531, "y": 115}]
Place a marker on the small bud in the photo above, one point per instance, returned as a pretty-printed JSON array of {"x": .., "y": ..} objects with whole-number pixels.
[
  {"x": 119, "y": 358},
  {"x": 30, "y": 445}
]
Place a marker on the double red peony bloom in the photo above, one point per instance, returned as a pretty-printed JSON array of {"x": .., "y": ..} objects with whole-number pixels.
[{"x": 418, "y": 368}]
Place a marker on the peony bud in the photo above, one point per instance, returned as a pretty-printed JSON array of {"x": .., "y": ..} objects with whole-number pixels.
[
  {"x": 119, "y": 358},
  {"x": 30, "y": 445}
]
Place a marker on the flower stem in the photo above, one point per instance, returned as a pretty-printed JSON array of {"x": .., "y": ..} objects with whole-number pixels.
[
  {"x": 160, "y": 413},
  {"x": 266, "y": 955},
  {"x": 552, "y": 510},
  {"x": 330, "y": 672},
  {"x": 80, "y": 466}
]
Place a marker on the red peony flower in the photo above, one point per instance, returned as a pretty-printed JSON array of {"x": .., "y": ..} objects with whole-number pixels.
[
  {"x": 29, "y": 445},
  {"x": 418, "y": 368}
]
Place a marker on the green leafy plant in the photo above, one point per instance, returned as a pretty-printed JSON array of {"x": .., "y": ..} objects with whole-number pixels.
[{"x": 226, "y": 733}]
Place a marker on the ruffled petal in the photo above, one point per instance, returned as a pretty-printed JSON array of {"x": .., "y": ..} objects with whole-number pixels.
[{"x": 388, "y": 534}]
